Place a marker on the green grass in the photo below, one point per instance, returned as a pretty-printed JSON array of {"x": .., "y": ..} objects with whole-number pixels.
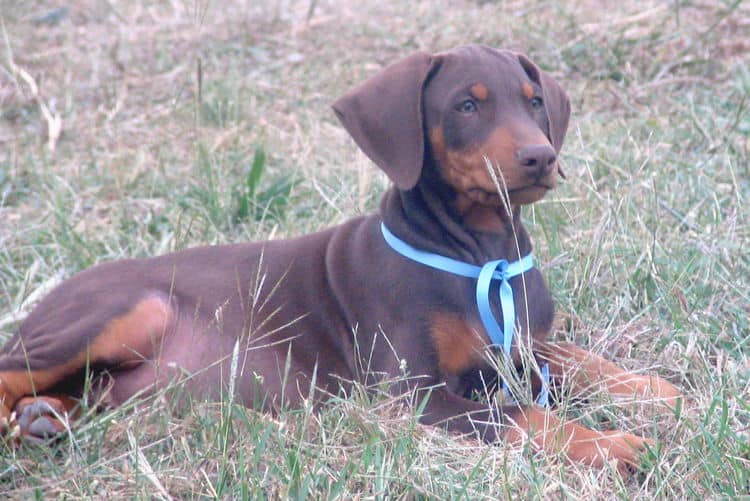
[{"x": 203, "y": 122}]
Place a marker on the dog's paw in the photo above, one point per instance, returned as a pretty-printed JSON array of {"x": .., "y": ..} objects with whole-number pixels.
[
  {"x": 621, "y": 449},
  {"x": 40, "y": 419}
]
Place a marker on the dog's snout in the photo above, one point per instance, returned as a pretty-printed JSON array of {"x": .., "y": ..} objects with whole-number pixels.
[{"x": 537, "y": 159}]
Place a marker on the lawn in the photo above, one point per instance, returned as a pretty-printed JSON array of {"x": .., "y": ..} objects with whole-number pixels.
[{"x": 134, "y": 128}]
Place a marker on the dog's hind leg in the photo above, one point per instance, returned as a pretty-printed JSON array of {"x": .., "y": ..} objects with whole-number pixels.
[{"x": 52, "y": 350}]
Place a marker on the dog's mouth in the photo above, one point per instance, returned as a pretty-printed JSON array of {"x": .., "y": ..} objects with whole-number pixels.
[
  {"x": 528, "y": 194},
  {"x": 535, "y": 186},
  {"x": 516, "y": 196}
]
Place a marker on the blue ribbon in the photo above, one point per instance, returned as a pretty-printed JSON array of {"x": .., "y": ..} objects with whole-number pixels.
[{"x": 499, "y": 269}]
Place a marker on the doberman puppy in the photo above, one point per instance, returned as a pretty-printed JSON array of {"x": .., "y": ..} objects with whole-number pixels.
[{"x": 341, "y": 304}]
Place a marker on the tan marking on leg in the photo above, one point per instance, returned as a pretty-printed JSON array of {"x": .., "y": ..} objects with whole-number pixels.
[
  {"x": 459, "y": 346},
  {"x": 587, "y": 372},
  {"x": 595, "y": 448},
  {"x": 479, "y": 92},
  {"x": 126, "y": 340}
]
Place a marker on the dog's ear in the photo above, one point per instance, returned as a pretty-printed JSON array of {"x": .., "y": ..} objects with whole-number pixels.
[
  {"x": 556, "y": 103},
  {"x": 384, "y": 117}
]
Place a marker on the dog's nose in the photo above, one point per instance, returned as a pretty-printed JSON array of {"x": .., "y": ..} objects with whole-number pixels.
[{"x": 538, "y": 160}]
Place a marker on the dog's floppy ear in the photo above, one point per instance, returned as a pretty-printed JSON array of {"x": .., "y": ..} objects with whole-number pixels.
[
  {"x": 384, "y": 117},
  {"x": 556, "y": 103}
]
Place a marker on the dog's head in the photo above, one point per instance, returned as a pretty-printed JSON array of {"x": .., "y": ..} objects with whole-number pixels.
[{"x": 462, "y": 109}]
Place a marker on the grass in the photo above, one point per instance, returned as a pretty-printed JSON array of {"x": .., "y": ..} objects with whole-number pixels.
[{"x": 194, "y": 122}]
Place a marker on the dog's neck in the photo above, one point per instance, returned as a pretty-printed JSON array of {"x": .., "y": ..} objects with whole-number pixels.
[{"x": 428, "y": 218}]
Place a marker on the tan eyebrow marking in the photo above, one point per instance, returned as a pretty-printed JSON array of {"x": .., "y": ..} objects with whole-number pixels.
[
  {"x": 479, "y": 91},
  {"x": 528, "y": 90}
]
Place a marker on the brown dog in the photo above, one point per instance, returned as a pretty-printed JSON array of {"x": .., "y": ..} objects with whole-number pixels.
[{"x": 341, "y": 303}]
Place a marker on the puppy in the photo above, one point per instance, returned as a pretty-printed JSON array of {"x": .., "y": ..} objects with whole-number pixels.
[{"x": 352, "y": 301}]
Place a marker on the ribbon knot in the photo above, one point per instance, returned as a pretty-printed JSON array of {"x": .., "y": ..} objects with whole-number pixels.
[{"x": 498, "y": 270}]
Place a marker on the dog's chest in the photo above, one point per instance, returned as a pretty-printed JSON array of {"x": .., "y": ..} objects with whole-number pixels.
[{"x": 459, "y": 337}]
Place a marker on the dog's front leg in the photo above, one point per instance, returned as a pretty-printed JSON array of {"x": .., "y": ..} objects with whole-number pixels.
[
  {"x": 545, "y": 431},
  {"x": 588, "y": 373},
  {"x": 515, "y": 424}
]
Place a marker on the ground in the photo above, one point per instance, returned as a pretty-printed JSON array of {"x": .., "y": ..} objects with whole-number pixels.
[{"x": 131, "y": 128}]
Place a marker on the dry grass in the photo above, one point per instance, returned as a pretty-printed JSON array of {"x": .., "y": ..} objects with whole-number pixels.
[{"x": 161, "y": 107}]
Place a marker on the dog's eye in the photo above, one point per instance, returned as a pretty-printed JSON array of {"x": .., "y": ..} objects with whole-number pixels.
[
  {"x": 536, "y": 102},
  {"x": 467, "y": 106}
]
